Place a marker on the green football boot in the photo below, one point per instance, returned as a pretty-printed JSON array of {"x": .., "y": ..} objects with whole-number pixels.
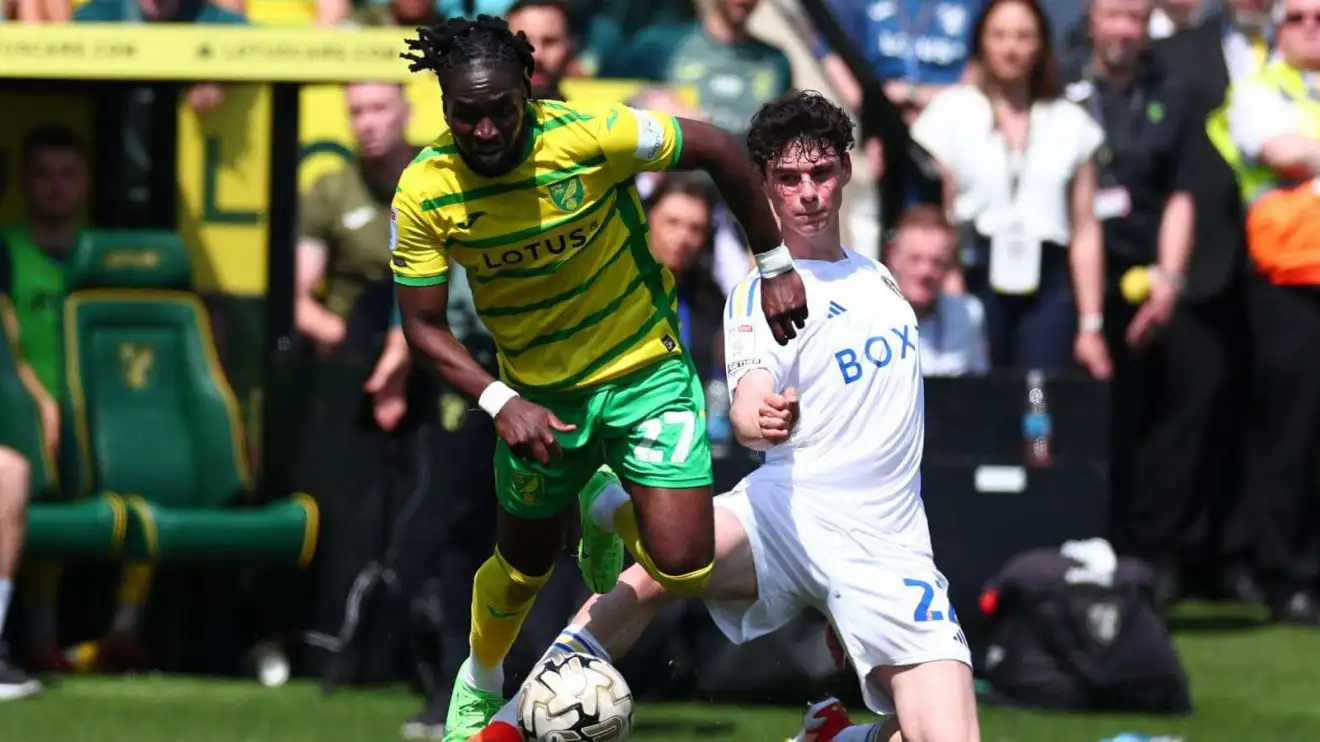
[
  {"x": 600, "y": 553},
  {"x": 470, "y": 709}
]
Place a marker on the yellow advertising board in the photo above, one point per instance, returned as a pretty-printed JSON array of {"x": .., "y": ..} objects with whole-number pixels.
[{"x": 113, "y": 51}]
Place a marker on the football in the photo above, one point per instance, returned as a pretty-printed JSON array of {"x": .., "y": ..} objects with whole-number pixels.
[{"x": 575, "y": 698}]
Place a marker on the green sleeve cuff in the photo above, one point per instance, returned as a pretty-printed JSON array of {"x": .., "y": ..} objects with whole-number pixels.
[
  {"x": 678, "y": 144},
  {"x": 421, "y": 280}
]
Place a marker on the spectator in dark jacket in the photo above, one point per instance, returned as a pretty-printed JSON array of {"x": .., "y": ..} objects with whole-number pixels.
[{"x": 680, "y": 214}]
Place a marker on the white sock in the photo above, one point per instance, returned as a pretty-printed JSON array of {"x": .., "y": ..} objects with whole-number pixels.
[
  {"x": 610, "y": 499},
  {"x": 859, "y": 733},
  {"x": 572, "y": 639},
  {"x": 6, "y": 591},
  {"x": 488, "y": 679},
  {"x": 508, "y": 713},
  {"x": 577, "y": 639}
]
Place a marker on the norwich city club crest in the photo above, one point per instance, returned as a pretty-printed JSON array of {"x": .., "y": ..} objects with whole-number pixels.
[
  {"x": 528, "y": 486},
  {"x": 567, "y": 194}
]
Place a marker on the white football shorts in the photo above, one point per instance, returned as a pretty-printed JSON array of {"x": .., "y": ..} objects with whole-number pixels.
[{"x": 888, "y": 602}]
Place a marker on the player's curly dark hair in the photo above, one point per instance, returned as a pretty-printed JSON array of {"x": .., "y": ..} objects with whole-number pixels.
[
  {"x": 459, "y": 42},
  {"x": 804, "y": 121}
]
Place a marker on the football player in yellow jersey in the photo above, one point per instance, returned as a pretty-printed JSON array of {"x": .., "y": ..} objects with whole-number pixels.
[{"x": 535, "y": 199}]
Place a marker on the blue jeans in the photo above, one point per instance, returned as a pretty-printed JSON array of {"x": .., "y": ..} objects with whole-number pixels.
[{"x": 1034, "y": 330}]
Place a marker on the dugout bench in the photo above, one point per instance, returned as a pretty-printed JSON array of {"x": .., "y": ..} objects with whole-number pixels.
[{"x": 152, "y": 464}]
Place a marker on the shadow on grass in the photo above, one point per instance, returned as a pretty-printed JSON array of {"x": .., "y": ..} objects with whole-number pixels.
[
  {"x": 1196, "y": 623},
  {"x": 684, "y": 729}
]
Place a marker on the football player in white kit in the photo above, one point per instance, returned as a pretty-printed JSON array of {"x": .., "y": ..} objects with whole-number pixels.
[{"x": 833, "y": 519}]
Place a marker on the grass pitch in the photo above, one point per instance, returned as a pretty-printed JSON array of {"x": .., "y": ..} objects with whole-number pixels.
[{"x": 1249, "y": 682}]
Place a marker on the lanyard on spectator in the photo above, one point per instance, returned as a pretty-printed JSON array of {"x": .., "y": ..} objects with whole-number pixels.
[
  {"x": 914, "y": 30},
  {"x": 1015, "y": 161}
]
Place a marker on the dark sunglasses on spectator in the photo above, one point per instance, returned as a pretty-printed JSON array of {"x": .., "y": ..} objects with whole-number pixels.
[{"x": 1297, "y": 19}]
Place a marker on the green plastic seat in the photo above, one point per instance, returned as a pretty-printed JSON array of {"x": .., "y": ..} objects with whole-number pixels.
[
  {"x": 154, "y": 416},
  {"x": 91, "y": 528}
]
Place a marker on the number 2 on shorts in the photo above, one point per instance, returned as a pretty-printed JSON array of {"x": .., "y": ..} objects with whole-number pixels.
[
  {"x": 923, "y": 612},
  {"x": 651, "y": 430}
]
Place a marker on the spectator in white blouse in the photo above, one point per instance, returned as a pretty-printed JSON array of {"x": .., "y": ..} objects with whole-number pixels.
[
  {"x": 952, "y": 326},
  {"x": 1016, "y": 159}
]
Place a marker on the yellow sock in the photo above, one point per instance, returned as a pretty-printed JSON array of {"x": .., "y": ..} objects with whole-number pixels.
[
  {"x": 135, "y": 583},
  {"x": 625, "y": 524},
  {"x": 134, "y": 587},
  {"x": 501, "y": 597}
]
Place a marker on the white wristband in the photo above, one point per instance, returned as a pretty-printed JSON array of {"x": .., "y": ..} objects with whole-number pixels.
[
  {"x": 494, "y": 397},
  {"x": 1091, "y": 323},
  {"x": 774, "y": 262}
]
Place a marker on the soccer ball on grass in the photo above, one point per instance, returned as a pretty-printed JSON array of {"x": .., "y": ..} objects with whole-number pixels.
[{"x": 575, "y": 698}]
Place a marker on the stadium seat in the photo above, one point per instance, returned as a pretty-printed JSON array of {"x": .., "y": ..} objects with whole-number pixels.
[
  {"x": 92, "y": 528},
  {"x": 154, "y": 416}
]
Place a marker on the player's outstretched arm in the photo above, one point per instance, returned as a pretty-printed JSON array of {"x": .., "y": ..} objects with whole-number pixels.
[
  {"x": 708, "y": 148},
  {"x": 761, "y": 417},
  {"x": 783, "y": 298}
]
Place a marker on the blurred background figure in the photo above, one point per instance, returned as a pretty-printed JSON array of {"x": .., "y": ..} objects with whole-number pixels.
[
  {"x": 914, "y": 47},
  {"x": 1171, "y": 370},
  {"x": 406, "y": 13},
  {"x": 1017, "y": 162},
  {"x": 922, "y": 257},
  {"x": 1231, "y": 45},
  {"x": 56, "y": 181},
  {"x": 732, "y": 71},
  {"x": 546, "y": 24},
  {"x": 344, "y": 291},
  {"x": 680, "y": 213},
  {"x": 1272, "y": 123}
]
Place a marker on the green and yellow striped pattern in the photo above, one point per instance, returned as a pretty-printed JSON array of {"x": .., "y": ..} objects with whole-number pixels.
[{"x": 556, "y": 250}]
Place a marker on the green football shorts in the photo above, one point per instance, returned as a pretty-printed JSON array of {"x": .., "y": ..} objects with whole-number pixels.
[{"x": 649, "y": 426}]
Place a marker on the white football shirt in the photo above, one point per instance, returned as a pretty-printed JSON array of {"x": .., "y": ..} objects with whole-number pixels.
[{"x": 856, "y": 448}]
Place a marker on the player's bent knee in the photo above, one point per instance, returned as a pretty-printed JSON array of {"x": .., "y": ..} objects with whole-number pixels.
[{"x": 689, "y": 584}]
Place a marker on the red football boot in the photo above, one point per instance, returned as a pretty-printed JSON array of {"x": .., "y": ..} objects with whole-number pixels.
[
  {"x": 498, "y": 731},
  {"x": 824, "y": 721}
]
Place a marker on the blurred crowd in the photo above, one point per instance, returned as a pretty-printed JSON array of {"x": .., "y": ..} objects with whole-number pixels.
[{"x": 1123, "y": 189}]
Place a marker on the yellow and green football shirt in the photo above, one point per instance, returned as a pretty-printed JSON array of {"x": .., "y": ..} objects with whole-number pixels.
[{"x": 556, "y": 251}]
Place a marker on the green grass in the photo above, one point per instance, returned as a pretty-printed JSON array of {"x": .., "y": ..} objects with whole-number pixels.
[{"x": 1249, "y": 682}]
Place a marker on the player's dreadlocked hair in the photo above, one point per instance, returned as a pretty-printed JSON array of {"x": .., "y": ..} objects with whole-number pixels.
[
  {"x": 805, "y": 122},
  {"x": 459, "y": 42}
]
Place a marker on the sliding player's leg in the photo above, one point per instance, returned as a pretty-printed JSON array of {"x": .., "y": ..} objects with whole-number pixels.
[
  {"x": 655, "y": 439},
  {"x": 918, "y": 669},
  {"x": 607, "y": 626},
  {"x": 934, "y": 703},
  {"x": 536, "y": 503}
]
